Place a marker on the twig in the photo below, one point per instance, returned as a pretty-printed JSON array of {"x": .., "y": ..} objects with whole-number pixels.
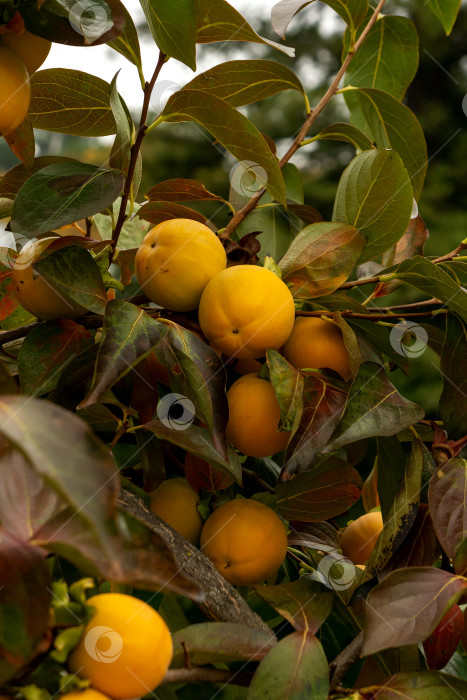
[
  {"x": 374, "y": 316},
  {"x": 345, "y": 660},
  {"x": 222, "y": 603},
  {"x": 242, "y": 213},
  {"x": 199, "y": 674},
  {"x": 451, "y": 255},
  {"x": 135, "y": 149}
]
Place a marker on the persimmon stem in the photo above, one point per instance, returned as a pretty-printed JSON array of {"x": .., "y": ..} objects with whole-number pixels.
[
  {"x": 311, "y": 117},
  {"x": 135, "y": 150}
]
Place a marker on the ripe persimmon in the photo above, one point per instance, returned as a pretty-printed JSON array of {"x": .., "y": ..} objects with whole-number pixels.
[
  {"x": 245, "y": 540},
  {"x": 317, "y": 344},
  {"x": 245, "y": 310}
]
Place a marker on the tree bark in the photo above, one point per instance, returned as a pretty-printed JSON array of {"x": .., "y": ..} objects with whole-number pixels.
[{"x": 222, "y": 603}]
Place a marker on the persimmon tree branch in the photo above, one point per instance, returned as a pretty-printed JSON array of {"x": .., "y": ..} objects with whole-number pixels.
[
  {"x": 375, "y": 316},
  {"x": 135, "y": 150},
  {"x": 345, "y": 660},
  {"x": 240, "y": 215},
  {"x": 221, "y": 603}
]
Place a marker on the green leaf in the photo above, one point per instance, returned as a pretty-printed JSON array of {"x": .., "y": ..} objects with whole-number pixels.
[
  {"x": 22, "y": 142},
  {"x": 85, "y": 477},
  {"x": 63, "y": 193},
  {"x": 234, "y": 131},
  {"x": 323, "y": 405},
  {"x": 173, "y": 27},
  {"x": 407, "y": 606},
  {"x": 219, "y": 21},
  {"x": 197, "y": 441},
  {"x": 156, "y": 212},
  {"x": 274, "y": 225},
  {"x": 387, "y": 59},
  {"x": 453, "y": 404},
  {"x": 73, "y": 271},
  {"x": 45, "y": 352},
  {"x": 132, "y": 233},
  {"x": 295, "y": 668},
  {"x": 391, "y": 466},
  {"x": 375, "y": 196},
  {"x": 288, "y": 385},
  {"x": 219, "y": 642},
  {"x": 422, "y": 685},
  {"x": 374, "y": 407},
  {"x": 431, "y": 279},
  {"x": 129, "y": 334},
  {"x": 127, "y": 43},
  {"x": 353, "y": 12},
  {"x": 303, "y": 603},
  {"x": 202, "y": 379},
  {"x": 24, "y": 603},
  {"x": 68, "y": 22},
  {"x": 243, "y": 82},
  {"x": 323, "y": 254},
  {"x": 181, "y": 190},
  {"x": 120, "y": 154},
  {"x": 320, "y": 493},
  {"x": 341, "y": 131},
  {"x": 71, "y": 102},
  {"x": 448, "y": 504},
  {"x": 446, "y": 11},
  {"x": 390, "y": 124},
  {"x": 14, "y": 179},
  {"x": 402, "y": 513}
]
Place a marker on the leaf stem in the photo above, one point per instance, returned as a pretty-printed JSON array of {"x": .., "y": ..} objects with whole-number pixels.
[
  {"x": 135, "y": 150},
  {"x": 242, "y": 213}
]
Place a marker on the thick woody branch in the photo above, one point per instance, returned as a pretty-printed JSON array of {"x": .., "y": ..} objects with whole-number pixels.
[
  {"x": 345, "y": 660},
  {"x": 222, "y": 603}
]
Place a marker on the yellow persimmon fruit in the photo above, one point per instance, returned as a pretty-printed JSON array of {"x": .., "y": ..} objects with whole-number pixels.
[
  {"x": 359, "y": 538},
  {"x": 317, "y": 344},
  {"x": 86, "y": 694},
  {"x": 175, "y": 502},
  {"x": 15, "y": 91},
  {"x": 254, "y": 415},
  {"x": 245, "y": 540},
  {"x": 245, "y": 310},
  {"x": 34, "y": 293},
  {"x": 175, "y": 262},
  {"x": 31, "y": 49},
  {"x": 126, "y": 647}
]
